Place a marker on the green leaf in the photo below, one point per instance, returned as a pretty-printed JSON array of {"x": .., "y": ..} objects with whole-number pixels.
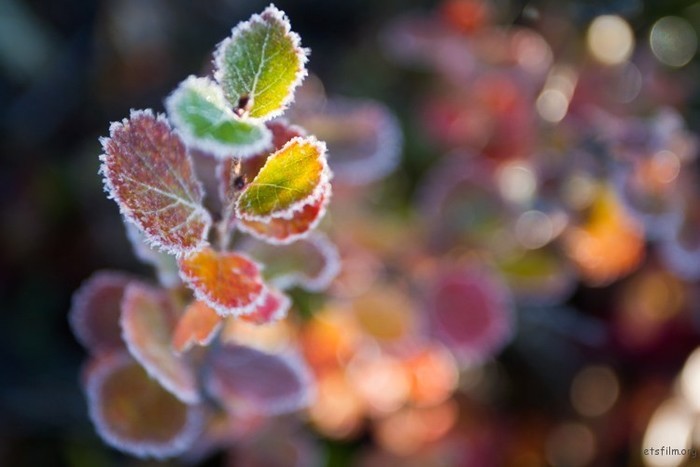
[
  {"x": 293, "y": 177},
  {"x": 261, "y": 64},
  {"x": 206, "y": 121}
]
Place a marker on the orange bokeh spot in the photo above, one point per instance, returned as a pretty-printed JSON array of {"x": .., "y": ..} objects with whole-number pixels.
[{"x": 610, "y": 245}]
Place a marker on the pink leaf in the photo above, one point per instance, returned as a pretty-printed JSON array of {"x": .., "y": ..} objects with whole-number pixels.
[
  {"x": 149, "y": 174},
  {"x": 148, "y": 321},
  {"x": 248, "y": 380},
  {"x": 94, "y": 314},
  {"x": 133, "y": 413}
]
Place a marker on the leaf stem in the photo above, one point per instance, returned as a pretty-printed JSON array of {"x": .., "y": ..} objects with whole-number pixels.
[{"x": 229, "y": 195}]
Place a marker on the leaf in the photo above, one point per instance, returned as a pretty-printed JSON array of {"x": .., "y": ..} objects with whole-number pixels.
[
  {"x": 148, "y": 321},
  {"x": 282, "y": 133},
  {"x": 149, "y": 174},
  {"x": 261, "y": 63},
  {"x": 205, "y": 120},
  {"x": 133, "y": 413},
  {"x": 198, "y": 325},
  {"x": 310, "y": 263},
  {"x": 273, "y": 308},
  {"x": 292, "y": 177},
  {"x": 164, "y": 264},
  {"x": 282, "y": 231},
  {"x": 470, "y": 312},
  {"x": 364, "y": 138},
  {"x": 233, "y": 174},
  {"x": 230, "y": 283},
  {"x": 95, "y": 310},
  {"x": 249, "y": 380}
]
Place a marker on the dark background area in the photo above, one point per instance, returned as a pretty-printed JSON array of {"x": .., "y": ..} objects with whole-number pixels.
[{"x": 71, "y": 67}]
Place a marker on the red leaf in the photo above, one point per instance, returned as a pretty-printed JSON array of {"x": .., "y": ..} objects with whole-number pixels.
[
  {"x": 248, "y": 380},
  {"x": 149, "y": 174},
  {"x": 133, "y": 413},
  {"x": 228, "y": 282},
  {"x": 274, "y": 308},
  {"x": 198, "y": 325},
  {"x": 148, "y": 320},
  {"x": 281, "y": 231},
  {"x": 94, "y": 314}
]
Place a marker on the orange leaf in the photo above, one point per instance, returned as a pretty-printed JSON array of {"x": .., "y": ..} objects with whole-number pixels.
[
  {"x": 197, "y": 326},
  {"x": 230, "y": 283}
]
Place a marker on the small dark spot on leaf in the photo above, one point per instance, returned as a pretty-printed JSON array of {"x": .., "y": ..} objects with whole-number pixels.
[{"x": 239, "y": 182}]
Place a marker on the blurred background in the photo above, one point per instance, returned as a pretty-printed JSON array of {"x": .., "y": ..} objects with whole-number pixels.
[{"x": 549, "y": 150}]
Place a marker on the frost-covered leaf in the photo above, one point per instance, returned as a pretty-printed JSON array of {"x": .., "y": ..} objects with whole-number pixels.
[
  {"x": 310, "y": 263},
  {"x": 94, "y": 314},
  {"x": 133, "y": 413},
  {"x": 198, "y": 326},
  {"x": 291, "y": 178},
  {"x": 228, "y": 282},
  {"x": 233, "y": 176},
  {"x": 363, "y": 137},
  {"x": 249, "y": 380},
  {"x": 148, "y": 320},
  {"x": 273, "y": 308},
  {"x": 282, "y": 133},
  {"x": 206, "y": 121},
  {"x": 261, "y": 64},
  {"x": 164, "y": 264},
  {"x": 470, "y": 311},
  {"x": 282, "y": 231},
  {"x": 149, "y": 174}
]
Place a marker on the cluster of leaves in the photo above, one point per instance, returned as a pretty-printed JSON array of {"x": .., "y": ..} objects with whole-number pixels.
[
  {"x": 557, "y": 175},
  {"x": 525, "y": 207},
  {"x": 150, "y": 392}
]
